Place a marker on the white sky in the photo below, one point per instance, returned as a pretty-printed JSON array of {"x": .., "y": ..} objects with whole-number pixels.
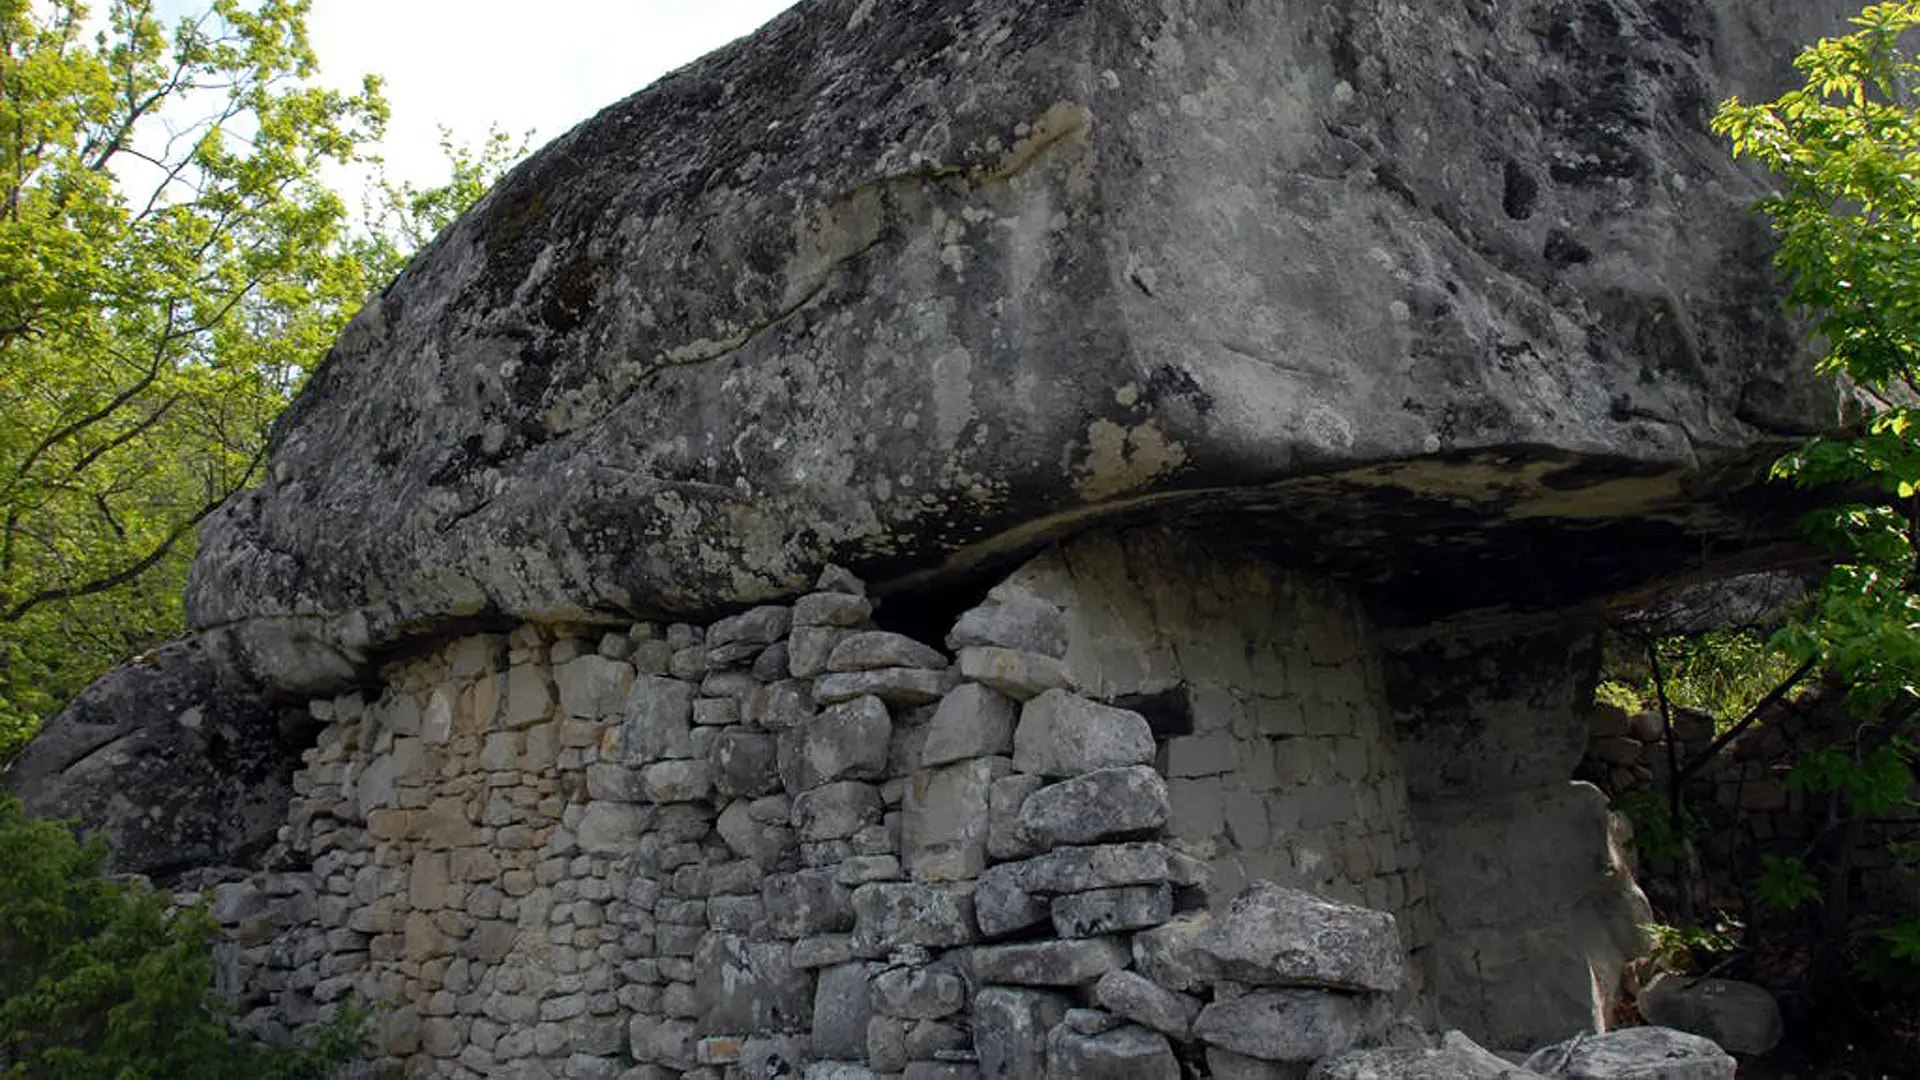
[{"x": 543, "y": 65}]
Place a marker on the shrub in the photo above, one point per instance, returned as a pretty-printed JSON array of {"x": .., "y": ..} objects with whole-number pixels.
[{"x": 100, "y": 979}]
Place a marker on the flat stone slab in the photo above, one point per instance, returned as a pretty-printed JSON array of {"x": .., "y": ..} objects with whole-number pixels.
[
  {"x": 1129, "y": 1052},
  {"x": 1063, "y": 734},
  {"x": 1271, "y": 935},
  {"x": 1049, "y": 963},
  {"x": 1291, "y": 1025},
  {"x": 1642, "y": 1053},
  {"x": 1110, "y": 803}
]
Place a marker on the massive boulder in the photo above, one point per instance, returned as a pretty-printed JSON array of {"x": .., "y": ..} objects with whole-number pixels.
[
  {"x": 179, "y": 772},
  {"x": 1459, "y": 300}
]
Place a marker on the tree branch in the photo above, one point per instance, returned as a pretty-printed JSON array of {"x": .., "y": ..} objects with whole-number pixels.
[{"x": 117, "y": 578}]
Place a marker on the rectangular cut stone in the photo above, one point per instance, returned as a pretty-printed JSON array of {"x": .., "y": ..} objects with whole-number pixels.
[
  {"x": 1063, "y": 734},
  {"x": 1099, "y": 866},
  {"x": 1049, "y": 963},
  {"x": 972, "y": 721},
  {"x": 1093, "y": 807},
  {"x": 1019, "y": 675},
  {"x": 659, "y": 720},
  {"x": 1271, "y": 935},
  {"x": 905, "y": 687},
  {"x": 592, "y": 687},
  {"x": 889, "y": 915},
  {"x": 530, "y": 696},
  {"x": 943, "y": 833},
  {"x": 742, "y": 985},
  {"x": 1010, "y": 1031},
  {"x": 1108, "y": 911}
]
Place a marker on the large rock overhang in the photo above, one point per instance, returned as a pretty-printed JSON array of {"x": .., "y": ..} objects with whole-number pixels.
[{"x": 916, "y": 293}]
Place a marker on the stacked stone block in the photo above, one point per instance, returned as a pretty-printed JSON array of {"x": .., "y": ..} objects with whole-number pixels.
[
  {"x": 1741, "y": 798},
  {"x": 788, "y": 842}
]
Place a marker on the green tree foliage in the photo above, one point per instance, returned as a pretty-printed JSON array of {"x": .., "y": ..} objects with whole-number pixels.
[
  {"x": 171, "y": 267},
  {"x": 1848, "y": 216},
  {"x": 1843, "y": 148},
  {"x": 99, "y": 980}
]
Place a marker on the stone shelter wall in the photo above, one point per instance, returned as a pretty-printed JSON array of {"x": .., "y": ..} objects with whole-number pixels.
[
  {"x": 1740, "y": 800},
  {"x": 1279, "y": 751},
  {"x": 1146, "y": 807}
]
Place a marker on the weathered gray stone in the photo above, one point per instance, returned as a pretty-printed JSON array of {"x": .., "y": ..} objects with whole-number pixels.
[
  {"x": 661, "y": 1041},
  {"x": 809, "y": 647},
  {"x": 1458, "y": 1058},
  {"x": 902, "y": 686},
  {"x": 611, "y": 782},
  {"x": 831, "y": 609},
  {"x": 1739, "y": 1016},
  {"x": 779, "y": 706},
  {"x": 593, "y": 686},
  {"x": 972, "y": 721},
  {"x": 1271, "y": 935},
  {"x": 1523, "y": 966},
  {"x": 677, "y": 781},
  {"x": 806, "y": 903},
  {"x": 1171, "y": 955},
  {"x": 836, "y": 811},
  {"x": 687, "y": 482},
  {"x": 234, "y": 901},
  {"x": 1227, "y": 1065},
  {"x": 870, "y": 650},
  {"x": 848, "y": 740},
  {"x": 610, "y": 828},
  {"x": 1004, "y": 837},
  {"x": 659, "y": 720},
  {"x": 1020, "y": 623},
  {"x": 175, "y": 768},
  {"x": 1003, "y": 905},
  {"x": 1145, "y": 1002},
  {"x": 1097, "y": 806},
  {"x": 887, "y": 1044},
  {"x": 842, "y": 1006},
  {"x": 1010, "y": 1031},
  {"x": 1108, "y": 911},
  {"x": 749, "y": 986},
  {"x": 1063, "y": 734},
  {"x": 1049, "y": 963},
  {"x": 945, "y": 1041},
  {"x": 860, "y": 869},
  {"x": 529, "y": 698},
  {"x": 767, "y": 845},
  {"x": 773, "y": 1055},
  {"x": 1092, "y": 1021},
  {"x": 762, "y": 625},
  {"x": 1100, "y": 866},
  {"x": 889, "y": 915},
  {"x": 825, "y": 950},
  {"x": 1642, "y": 1053},
  {"x": 745, "y": 764},
  {"x": 1291, "y": 1025},
  {"x": 919, "y": 993},
  {"x": 943, "y": 823},
  {"x": 1019, "y": 675},
  {"x": 716, "y": 712},
  {"x": 838, "y": 1070},
  {"x": 1124, "y": 1053}
]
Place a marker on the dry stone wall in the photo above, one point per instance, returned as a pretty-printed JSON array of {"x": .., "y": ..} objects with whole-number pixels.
[
  {"x": 790, "y": 839},
  {"x": 1144, "y": 811},
  {"x": 1740, "y": 802}
]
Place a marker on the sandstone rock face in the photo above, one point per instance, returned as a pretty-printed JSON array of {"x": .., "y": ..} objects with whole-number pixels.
[
  {"x": 1393, "y": 283},
  {"x": 179, "y": 772}
]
